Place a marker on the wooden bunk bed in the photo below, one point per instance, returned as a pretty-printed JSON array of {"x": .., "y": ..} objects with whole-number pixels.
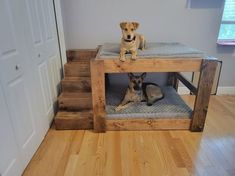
[{"x": 172, "y": 58}]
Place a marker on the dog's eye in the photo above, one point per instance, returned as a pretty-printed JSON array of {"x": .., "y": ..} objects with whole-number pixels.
[
  {"x": 125, "y": 29},
  {"x": 132, "y": 29}
]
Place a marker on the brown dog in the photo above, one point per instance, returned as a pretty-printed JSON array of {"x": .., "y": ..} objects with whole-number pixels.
[
  {"x": 131, "y": 41},
  {"x": 138, "y": 91}
]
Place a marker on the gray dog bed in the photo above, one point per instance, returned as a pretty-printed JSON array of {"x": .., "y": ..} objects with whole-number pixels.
[
  {"x": 173, "y": 50},
  {"x": 171, "y": 106}
]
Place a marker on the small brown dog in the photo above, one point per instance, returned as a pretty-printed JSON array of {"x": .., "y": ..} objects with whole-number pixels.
[
  {"x": 131, "y": 41},
  {"x": 138, "y": 91}
]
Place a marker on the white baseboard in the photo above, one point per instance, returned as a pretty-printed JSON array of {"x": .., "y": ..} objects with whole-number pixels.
[
  {"x": 221, "y": 90},
  {"x": 225, "y": 90}
]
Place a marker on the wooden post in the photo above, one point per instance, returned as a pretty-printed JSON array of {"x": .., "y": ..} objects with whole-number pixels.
[
  {"x": 98, "y": 95},
  {"x": 206, "y": 78},
  {"x": 172, "y": 80}
]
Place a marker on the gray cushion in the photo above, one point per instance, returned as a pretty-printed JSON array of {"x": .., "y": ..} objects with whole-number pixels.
[
  {"x": 112, "y": 50},
  {"x": 171, "y": 106}
]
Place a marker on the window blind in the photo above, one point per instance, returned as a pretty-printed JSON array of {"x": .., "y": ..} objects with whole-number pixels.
[{"x": 227, "y": 27}]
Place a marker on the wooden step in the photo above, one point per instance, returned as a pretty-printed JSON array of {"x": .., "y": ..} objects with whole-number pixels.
[
  {"x": 80, "y": 54},
  {"x": 74, "y": 120},
  {"x": 76, "y": 84},
  {"x": 77, "y": 69},
  {"x": 71, "y": 101}
]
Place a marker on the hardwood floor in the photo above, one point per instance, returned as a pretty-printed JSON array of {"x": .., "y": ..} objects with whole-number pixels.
[{"x": 145, "y": 153}]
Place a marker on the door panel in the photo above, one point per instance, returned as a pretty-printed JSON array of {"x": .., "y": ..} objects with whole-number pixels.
[
  {"x": 9, "y": 154},
  {"x": 17, "y": 80},
  {"x": 45, "y": 50},
  {"x": 44, "y": 81}
]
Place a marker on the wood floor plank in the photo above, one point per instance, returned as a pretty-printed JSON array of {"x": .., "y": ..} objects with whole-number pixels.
[{"x": 143, "y": 153}]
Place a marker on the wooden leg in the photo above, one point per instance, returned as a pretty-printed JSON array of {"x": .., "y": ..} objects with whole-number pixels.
[
  {"x": 172, "y": 80},
  {"x": 206, "y": 78},
  {"x": 98, "y": 95}
]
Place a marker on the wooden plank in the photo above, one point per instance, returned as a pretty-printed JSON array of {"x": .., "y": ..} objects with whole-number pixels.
[
  {"x": 74, "y": 120},
  {"x": 77, "y": 69},
  {"x": 80, "y": 54},
  {"x": 76, "y": 84},
  {"x": 187, "y": 83},
  {"x": 147, "y": 124},
  {"x": 172, "y": 80},
  {"x": 98, "y": 95},
  {"x": 203, "y": 94},
  {"x": 152, "y": 65},
  {"x": 75, "y": 101}
]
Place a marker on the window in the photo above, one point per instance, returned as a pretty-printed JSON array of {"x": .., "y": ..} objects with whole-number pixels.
[{"x": 227, "y": 27}]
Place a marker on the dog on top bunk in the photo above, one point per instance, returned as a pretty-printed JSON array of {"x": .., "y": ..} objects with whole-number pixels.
[
  {"x": 131, "y": 41},
  {"x": 138, "y": 91}
]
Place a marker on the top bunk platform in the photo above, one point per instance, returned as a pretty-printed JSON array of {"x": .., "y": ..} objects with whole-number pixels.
[{"x": 153, "y": 50}]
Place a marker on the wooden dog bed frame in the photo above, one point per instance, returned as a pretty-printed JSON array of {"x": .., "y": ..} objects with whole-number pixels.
[{"x": 166, "y": 61}]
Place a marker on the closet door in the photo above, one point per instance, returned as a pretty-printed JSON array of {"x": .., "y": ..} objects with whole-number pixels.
[
  {"x": 18, "y": 81},
  {"x": 43, "y": 42},
  {"x": 10, "y": 159}
]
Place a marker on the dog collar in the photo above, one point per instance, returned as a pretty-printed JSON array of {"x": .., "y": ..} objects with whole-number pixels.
[{"x": 130, "y": 40}]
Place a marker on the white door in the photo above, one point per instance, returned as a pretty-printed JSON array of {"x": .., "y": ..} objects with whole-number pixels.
[
  {"x": 17, "y": 80},
  {"x": 43, "y": 41},
  {"x": 10, "y": 160},
  {"x": 29, "y": 75}
]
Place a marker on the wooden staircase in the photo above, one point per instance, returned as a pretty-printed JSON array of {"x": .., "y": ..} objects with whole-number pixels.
[{"x": 75, "y": 104}]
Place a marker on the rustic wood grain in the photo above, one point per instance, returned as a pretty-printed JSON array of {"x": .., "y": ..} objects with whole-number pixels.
[
  {"x": 80, "y": 54},
  {"x": 152, "y": 65},
  {"x": 74, "y": 120},
  {"x": 76, "y": 84},
  {"x": 201, "y": 104},
  {"x": 98, "y": 95},
  {"x": 77, "y": 69},
  {"x": 75, "y": 101},
  {"x": 147, "y": 124}
]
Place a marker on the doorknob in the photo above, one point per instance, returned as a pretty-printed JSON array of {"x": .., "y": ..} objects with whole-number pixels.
[{"x": 17, "y": 67}]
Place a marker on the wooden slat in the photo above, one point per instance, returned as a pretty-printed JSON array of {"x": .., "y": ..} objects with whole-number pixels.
[
  {"x": 80, "y": 54},
  {"x": 76, "y": 84},
  {"x": 77, "y": 69},
  {"x": 147, "y": 124},
  {"x": 152, "y": 65},
  {"x": 98, "y": 95},
  {"x": 187, "y": 83},
  {"x": 73, "y": 120},
  {"x": 75, "y": 101},
  {"x": 203, "y": 94},
  {"x": 172, "y": 80}
]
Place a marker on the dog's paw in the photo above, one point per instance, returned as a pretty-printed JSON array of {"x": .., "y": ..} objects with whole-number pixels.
[
  {"x": 133, "y": 58},
  {"x": 118, "y": 108},
  {"x": 123, "y": 59}
]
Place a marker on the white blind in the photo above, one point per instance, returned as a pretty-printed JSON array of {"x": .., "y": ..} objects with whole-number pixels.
[
  {"x": 229, "y": 11},
  {"x": 227, "y": 27}
]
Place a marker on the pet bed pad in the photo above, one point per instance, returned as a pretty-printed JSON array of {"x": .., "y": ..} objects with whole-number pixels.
[
  {"x": 112, "y": 50},
  {"x": 171, "y": 106}
]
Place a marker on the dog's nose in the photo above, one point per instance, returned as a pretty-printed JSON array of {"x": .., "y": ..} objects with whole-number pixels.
[{"x": 128, "y": 36}]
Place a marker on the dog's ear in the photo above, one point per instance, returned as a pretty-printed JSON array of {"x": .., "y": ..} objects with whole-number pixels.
[
  {"x": 143, "y": 75},
  {"x": 122, "y": 25},
  {"x": 135, "y": 24},
  {"x": 131, "y": 75}
]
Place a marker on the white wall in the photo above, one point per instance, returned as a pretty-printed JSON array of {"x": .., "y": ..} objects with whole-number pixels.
[{"x": 88, "y": 23}]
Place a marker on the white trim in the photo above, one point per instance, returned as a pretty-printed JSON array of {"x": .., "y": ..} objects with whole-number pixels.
[
  {"x": 221, "y": 90},
  {"x": 225, "y": 90},
  {"x": 60, "y": 29}
]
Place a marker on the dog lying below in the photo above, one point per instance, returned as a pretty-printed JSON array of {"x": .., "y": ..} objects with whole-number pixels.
[{"x": 138, "y": 91}]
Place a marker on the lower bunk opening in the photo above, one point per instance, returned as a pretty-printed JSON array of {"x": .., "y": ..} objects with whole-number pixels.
[{"x": 171, "y": 112}]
